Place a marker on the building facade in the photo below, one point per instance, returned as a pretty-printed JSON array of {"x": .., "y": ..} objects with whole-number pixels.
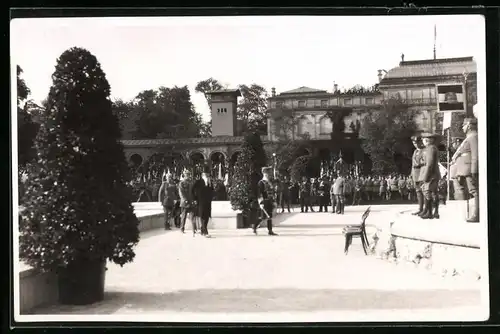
[{"x": 415, "y": 84}]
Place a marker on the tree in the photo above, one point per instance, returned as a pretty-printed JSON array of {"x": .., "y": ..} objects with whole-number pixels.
[
  {"x": 252, "y": 109},
  {"x": 127, "y": 115},
  {"x": 26, "y": 127},
  {"x": 79, "y": 206},
  {"x": 386, "y": 137},
  {"x": 166, "y": 113},
  {"x": 206, "y": 86},
  {"x": 337, "y": 117},
  {"x": 243, "y": 190}
]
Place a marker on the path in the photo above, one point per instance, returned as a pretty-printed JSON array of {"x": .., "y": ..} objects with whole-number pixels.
[{"x": 303, "y": 272}]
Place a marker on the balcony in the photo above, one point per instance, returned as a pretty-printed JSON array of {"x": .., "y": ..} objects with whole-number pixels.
[{"x": 414, "y": 102}]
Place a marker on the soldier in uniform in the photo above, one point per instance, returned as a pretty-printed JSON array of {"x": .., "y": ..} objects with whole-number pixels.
[
  {"x": 285, "y": 194},
  {"x": 323, "y": 194},
  {"x": 443, "y": 189},
  {"x": 187, "y": 201},
  {"x": 464, "y": 167},
  {"x": 430, "y": 175},
  {"x": 368, "y": 188},
  {"x": 304, "y": 195},
  {"x": 266, "y": 198},
  {"x": 416, "y": 164},
  {"x": 402, "y": 187},
  {"x": 339, "y": 193},
  {"x": 168, "y": 195},
  {"x": 314, "y": 193},
  {"x": 358, "y": 188}
]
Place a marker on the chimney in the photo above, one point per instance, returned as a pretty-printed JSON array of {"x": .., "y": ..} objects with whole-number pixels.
[
  {"x": 335, "y": 87},
  {"x": 273, "y": 92}
]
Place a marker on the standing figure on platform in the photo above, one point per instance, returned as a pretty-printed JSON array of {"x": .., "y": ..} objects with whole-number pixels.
[
  {"x": 339, "y": 193},
  {"x": 416, "y": 165},
  {"x": 323, "y": 194},
  {"x": 285, "y": 194},
  {"x": 430, "y": 175},
  {"x": 464, "y": 168},
  {"x": 168, "y": 195},
  {"x": 266, "y": 198},
  {"x": 187, "y": 202},
  {"x": 203, "y": 193},
  {"x": 305, "y": 195}
]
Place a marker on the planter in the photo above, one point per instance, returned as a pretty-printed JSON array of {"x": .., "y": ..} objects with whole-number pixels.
[{"x": 82, "y": 282}]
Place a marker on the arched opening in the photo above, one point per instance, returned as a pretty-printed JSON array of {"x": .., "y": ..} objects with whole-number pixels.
[
  {"x": 197, "y": 163},
  {"x": 302, "y": 126},
  {"x": 303, "y": 151},
  {"x": 234, "y": 158},
  {"x": 136, "y": 160},
  {"x": 325, "y": 125},
  {"x": 218, "y": 163}
]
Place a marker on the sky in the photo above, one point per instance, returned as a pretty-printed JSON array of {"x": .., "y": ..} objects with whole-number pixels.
[{"x": 283, "y": 52}]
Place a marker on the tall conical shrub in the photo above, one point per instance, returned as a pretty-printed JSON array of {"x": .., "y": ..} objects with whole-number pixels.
[{"x": 79, "y": 204}]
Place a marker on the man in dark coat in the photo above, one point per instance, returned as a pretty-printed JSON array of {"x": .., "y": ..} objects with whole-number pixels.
[
  {"x": 203, "y": 193},
  {"x": 430, "y": 175},
  {"x": 266, "y": 198},
  {"x": 305, "y": 195},
  {"x": 187, "y": 202},
  {"x": 324, "y": 194},
  {"x": 416, "y": 164},
  {"x": 464, "y": 167},
  {"x": 285, "y": 193},
  {"x": 167, "y": 196}
]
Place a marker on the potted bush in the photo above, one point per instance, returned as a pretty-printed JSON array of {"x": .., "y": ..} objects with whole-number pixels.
[
  {"x": 246, "y": 175},
  {"x": 78, "y": 208}
]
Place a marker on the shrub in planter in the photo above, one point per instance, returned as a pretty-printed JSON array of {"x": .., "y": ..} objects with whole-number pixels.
[
  {"x": 246, "y": 175},
  {"x": 78, "y": 205}
]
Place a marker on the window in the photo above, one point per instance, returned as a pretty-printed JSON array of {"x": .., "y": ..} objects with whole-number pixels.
[
  {"x": 218, "y": 110},
  {"x": 347, "y": 101},
  {"x": 324, "y": 103},
  {"x": 279, "y": 104},
  {"x": 302, "y": 126},
  {"x": 369, "y": 100},
  {"x": 325, "y": 125},
  {"x": 302, "y": 104}
]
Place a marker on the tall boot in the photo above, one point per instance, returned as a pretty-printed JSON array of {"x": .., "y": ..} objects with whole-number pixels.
[
  {"x": 420, "y": 199},
  {"x": 341, "y": 208},
  {"x": 270, "y": 227},
  {"x": 435, "y": 215},
  {"x": 475, "y": 211},
  {"x": 427, "y": 213}
]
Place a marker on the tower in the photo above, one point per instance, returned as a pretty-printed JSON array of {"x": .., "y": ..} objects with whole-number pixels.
[{"x": 223, "y": 104}]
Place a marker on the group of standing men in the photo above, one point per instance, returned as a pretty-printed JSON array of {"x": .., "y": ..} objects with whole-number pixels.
[
  {"x": 463, "y": 171},
  {"x": 189, "y": 199}
]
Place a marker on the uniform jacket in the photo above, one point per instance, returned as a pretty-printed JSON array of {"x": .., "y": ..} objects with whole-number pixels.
[
  {"x": 168, "y": 194},
  {"x": 416, "y": 164},
  {"x": 338, "y": 186},
  {"x": 465, "y": 159},
  {"x": 402, "y": 184},
  {"x": 430, "y": 169},
  {"x": 265, "y": 191},
  {"x": 203, "y": 194},
  {"x": 393, "y": 184},
  {"x": 304, "y": 188},
  {"x": 186, "y": 193},
  {"x": 323, "y": 189}
]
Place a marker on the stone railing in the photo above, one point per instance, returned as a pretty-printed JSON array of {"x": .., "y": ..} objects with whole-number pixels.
[{"x": 448, "y": 246}]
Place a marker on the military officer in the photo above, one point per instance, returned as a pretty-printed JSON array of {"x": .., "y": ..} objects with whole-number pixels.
[
  {"x": 266, "y": 197},
  {"x": 339, "y": 193},
  {"x": 167, "y": 195},
  {"x": 416, "y": 165},
  {"x": 285, "y": 193},
  {"x": 430, "y": 175},
  {"x": 305, "y": 195},
  {"x": 464, "y": 167},
  {"x": 323, "y": 194}
]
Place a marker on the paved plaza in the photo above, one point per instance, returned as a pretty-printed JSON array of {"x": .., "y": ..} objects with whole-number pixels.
[{"x": 300, "y": 275}]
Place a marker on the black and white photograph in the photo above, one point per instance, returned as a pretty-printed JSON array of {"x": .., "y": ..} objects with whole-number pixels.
[{"x": 249, "y": 169}]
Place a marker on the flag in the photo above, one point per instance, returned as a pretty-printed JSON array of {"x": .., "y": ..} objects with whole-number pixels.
[
  {"x": 451, "y": 97},
  {"x": 442, "y": 170},
  {"x": 447, "y": 120}
]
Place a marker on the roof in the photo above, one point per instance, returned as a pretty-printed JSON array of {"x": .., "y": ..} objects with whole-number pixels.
[
  {"x": 225, "y": 91},
  {"x": 187, "y": 141},
  {"x": 303, "y": 90},
  {"x": 431, "y": 68}
]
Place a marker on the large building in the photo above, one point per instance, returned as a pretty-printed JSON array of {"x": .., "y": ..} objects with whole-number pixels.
[
  {"x": 415, "y": 84},
  {"x": 303, "y": 112}
]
